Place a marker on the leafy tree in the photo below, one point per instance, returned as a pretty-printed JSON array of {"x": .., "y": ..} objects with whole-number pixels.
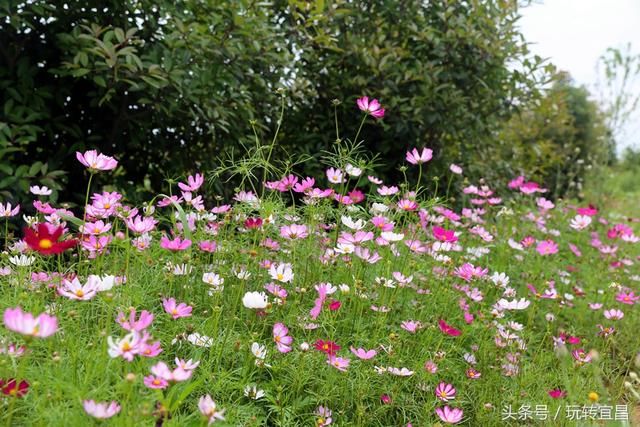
[{"x": 169, "y": 86}]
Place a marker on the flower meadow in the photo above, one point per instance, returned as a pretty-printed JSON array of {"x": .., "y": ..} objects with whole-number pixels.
[{"x": 327, "y": 300}]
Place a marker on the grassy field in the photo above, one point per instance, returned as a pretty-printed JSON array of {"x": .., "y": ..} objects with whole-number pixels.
[{"x": 339, "y": 301}]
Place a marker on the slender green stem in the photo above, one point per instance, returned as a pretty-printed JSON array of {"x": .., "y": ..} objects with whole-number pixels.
[
  {"x": 273, "y": 143},
  {"x": 419, "y": 179},
  {"x": 335, "y": 115},
  {"x": 355, "y": 140}
]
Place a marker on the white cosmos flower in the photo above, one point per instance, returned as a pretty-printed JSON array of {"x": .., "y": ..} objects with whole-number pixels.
[
  {"x": 345, "y": 248},
  {"x": 22, "y": 260},
  {"x": 259, "y": 350},
  {"x": 580, "y": 222},
  {"x": 353, "y": 170},
  {"x": 252, "y": 392},
  {"x": 255, "y": 300},
  {"x": 378, "y": 208},
  {"x": 514, "y": 304},
  {"x": 200, "y": 340},
  {"x": 40, "y": 191},
  {"x": 354, "y": 225},
  {"x": 212, "y": 279},
  {"x": 390, "y": 236}
]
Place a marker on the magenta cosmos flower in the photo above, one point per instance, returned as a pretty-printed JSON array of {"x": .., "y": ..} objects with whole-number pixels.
[
  {"x": 26, "y": 324},
  {"x": 372, "y": 107},
  {"x": 416, "y": 157},
  {"x": 95, "y": 161},
  {"x": 280, "y": 337},
  {"x": 444, "y": 235},
  {"x": 101, "y": 410},
  {"x": 450, "y": 415},
  {"x": 176, "y": 310},
  {"x": 448, "y": 329}
]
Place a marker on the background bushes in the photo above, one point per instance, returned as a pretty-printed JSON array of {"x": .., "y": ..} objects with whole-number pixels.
[{"x": 168, "y": 87}]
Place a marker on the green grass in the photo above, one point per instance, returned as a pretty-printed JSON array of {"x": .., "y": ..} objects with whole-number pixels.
[{"x": 74, "y": 364}]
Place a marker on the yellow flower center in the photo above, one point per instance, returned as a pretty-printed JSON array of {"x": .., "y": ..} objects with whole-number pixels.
[
  {"x": 45, "y": 244},
  {"x": 277, "y": 338},
  {"x": 126, "y": 346},
  {"x": 280, "y": 276},
  {"x": 79, "y": 293}
]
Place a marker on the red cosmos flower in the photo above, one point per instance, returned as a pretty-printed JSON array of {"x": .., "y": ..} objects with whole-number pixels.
[
  {"x": 328, "y": 347},
  {"x": 448, "y": 329},
  {"x": 46, "y": 241},
  {"x": 12, "y": 388}
]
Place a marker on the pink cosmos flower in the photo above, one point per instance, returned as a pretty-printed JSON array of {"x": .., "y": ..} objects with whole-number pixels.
[
  {"x": 101, "y": 410},
  {"x": 455, "y": 169},
  {"x": 294, "y": 231},
  {"x": 363, "y": 354},
  {"x": 581, "y": 356},
  {"x": 77, "y": 291},
  {"x": 305, "y": 185},
  {"x": 98, "y": 227},
  {"x": 176, "y": 310},
  {"x": 161, "y": 370},
  {"x": 127, "y": 347},
  {"x": 335, "y": 176},
  {"x": 613, "y": 314},
  {"x": 324, "y": 416},
  {"x": 450, "y": 415},
  {"x": 340, "y": 363},
  {"x": 547, "y": 247},
  {"x": 140, "y": 225},
  {"x": 445, "y": 392},
  {"x": 372, "y": 107},
  {"x": 430, "y": 366},
  {"x": 280, "y": 337},
  {"x": 417, "y": 158},
  {"x": 627, "y": 298},
  {"x": 411, "y": 326},
  {"x": 210, "y": 410},
  {"x": 193, "y": 183},
  {"x": 176, "y": 244},
  {"x": 388, "y": 191},
  {"x": 154, "y": 382},
  {"x": 472, "y": 374},
  {"x": 319, "y": 302},
  {"x": 25, "y": 323},
  {"x": 131, "y": 324},
  {"x": 407, "y": 205},
  {"x": 95, "y": 161},
  {"x": 208, "y": 246},
  {"x": 6, "y": 211},
  {"x": 150, "y": 350}
]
